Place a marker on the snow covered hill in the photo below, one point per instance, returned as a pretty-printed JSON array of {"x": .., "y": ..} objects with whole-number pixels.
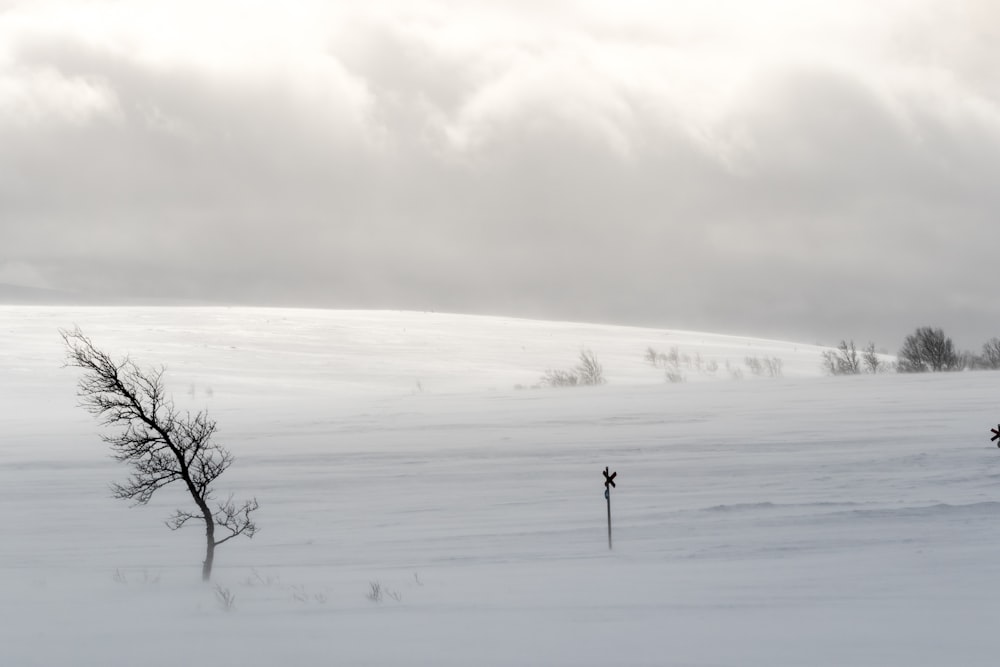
[
  {"x": 799, "y": 520},
  {"x": 382, "y": 352}
]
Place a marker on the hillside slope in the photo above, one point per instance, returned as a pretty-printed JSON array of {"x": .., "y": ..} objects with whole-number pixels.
[{"x": 378, "y": 352}]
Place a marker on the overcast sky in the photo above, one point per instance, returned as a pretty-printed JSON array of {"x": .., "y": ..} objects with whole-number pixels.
[{"x": 804, "y": 170}]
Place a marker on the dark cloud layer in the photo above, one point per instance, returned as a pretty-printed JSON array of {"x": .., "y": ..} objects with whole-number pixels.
[{"x": 633, "y": 166}]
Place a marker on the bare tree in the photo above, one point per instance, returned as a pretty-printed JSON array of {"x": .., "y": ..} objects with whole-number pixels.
[
  {"x": 849, "y": 357},
  {"x": 872, "y": 363},
  {"x": 991, "y": 353},
  {"x": 159, "y": 443},
  {"x": 927, "y": 349},
  {"x": 843, "y": 361}
]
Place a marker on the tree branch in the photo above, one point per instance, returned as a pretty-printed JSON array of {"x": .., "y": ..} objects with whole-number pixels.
[
  {"x": 236, "y": 520},
  {"x": 181, "y": 517}
]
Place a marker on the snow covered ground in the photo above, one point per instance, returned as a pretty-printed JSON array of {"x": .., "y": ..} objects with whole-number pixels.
[{"x": 801, "y": 520}]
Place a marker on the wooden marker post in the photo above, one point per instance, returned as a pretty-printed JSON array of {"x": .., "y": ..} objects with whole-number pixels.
[{"x": 609, "y": 482}]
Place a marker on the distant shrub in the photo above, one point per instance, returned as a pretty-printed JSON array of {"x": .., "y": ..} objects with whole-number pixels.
[
  {"x": 764, "y": 367},
  {"x": 559, "y": 378},
  {"x": 673, "y": 361},
  {"x": 588, "y": 372},
  {"x": 699, "y": 364},
  {"x": 225, "y": 598},
  {"x": 671, "y": 357},
  {"x": 377, "y": 592}
]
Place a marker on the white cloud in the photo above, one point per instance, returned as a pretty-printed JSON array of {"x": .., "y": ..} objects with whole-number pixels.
[
  {"x": 21, "y": 274},
  {"x": 476, "y": 153},
  {"x": 30, "y": 96}
]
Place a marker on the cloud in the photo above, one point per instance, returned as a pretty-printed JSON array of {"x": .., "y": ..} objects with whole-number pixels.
[
  {"x": 782, "y": 168},
  {"x": 21, "y": 274}
]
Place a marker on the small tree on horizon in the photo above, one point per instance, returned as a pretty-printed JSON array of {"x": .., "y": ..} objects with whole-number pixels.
[
  {"x": 844, "y": 361},
  {"x": 872, "y": 363},
  {"x": 159, "y": 443},
  {"x": 928, "y": 349},
  {"x": 991, "y": 353}
]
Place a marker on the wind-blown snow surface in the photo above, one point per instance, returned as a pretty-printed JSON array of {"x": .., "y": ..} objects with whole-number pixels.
[{"x": 795, "y": 521}]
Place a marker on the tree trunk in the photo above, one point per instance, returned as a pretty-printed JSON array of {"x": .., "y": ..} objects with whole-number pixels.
[{"x": 206, "y": 568}]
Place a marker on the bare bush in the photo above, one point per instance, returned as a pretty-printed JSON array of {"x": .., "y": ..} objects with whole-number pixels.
[
  {"x": 258, "y": 579},
  {"x": 559, "y": 378},
  {"x": 766, "y": 366},
  {"x": 300, "y": 594},
  {"x": 375, "y": 592},
  {"x": 225, "y": 598},
  {"x": 588, "y": 372},
  {"x": 378, "y": 592},
  {"x": 670, "y": 363}
]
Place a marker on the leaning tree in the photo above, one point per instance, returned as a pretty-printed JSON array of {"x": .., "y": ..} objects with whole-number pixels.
[{"x": 160, "y": 444}]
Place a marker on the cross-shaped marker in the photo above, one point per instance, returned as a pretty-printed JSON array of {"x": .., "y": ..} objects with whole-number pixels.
[
  {"x": 609, "y": 478},
  {"x": 996, "y": 434}
]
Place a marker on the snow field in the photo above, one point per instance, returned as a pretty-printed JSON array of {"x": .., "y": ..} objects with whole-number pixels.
[{"x": 794, "y": 521}]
